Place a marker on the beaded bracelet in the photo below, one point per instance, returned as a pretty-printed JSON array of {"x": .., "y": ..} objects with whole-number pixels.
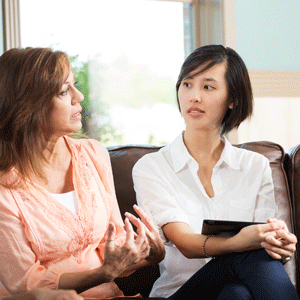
[{"x": 203, "y": 246}]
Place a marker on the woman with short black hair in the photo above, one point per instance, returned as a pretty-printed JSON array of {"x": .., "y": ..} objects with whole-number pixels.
[{"x": 200, "y": 175}]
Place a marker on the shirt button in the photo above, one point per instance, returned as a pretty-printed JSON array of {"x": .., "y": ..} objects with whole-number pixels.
[
  {"x": 217, "y": 217},
  {"x": 145, "y": 203},
  {"x": 219, "y": 188}
]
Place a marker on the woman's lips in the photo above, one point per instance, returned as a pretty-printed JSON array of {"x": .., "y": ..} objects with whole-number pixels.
[
  {"x": 195, "y": 112},
  {"x": 77, "y": 115}
]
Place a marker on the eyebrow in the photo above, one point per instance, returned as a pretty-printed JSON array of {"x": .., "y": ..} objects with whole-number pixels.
[
  {"x": 69, "y": 82},
  {"x": 210, "y": 79},
  {"x": 205, "y": 79}
]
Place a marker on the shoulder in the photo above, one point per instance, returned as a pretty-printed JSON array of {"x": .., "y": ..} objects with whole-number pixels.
[
  {"x": 170, "y": 158},
  {"x": 93, "y": 147},
  {"x": 152, "y": 160},
  {"x": 248, "y": 159},
  {"x": 249, "y": 154},
  {"x": 7, "y": 201}
]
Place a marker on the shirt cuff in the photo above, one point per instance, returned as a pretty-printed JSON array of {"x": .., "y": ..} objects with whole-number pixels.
[
  {"x": 171, "y": 215},
  {"x": 40, "y": 277}
]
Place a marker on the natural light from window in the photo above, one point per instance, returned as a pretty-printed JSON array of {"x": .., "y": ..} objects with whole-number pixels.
[{"x": 127, "y": 56}]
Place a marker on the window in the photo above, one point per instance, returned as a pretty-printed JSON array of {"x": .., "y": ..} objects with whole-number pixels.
[
  {"x": 127, "y": 56},
  {"x": 265, "y": 33}
]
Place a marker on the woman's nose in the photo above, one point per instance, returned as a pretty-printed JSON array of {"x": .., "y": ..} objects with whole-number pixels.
[
  {"x": 77, "y": 97},
  {"x": 195, "y": 96},
  {"x": 80, "y": 96}
]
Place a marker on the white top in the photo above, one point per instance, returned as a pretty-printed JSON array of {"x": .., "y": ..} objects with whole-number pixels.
[
  {"x": 169, "y": 189},
  {"x": 68, "y": 200}
]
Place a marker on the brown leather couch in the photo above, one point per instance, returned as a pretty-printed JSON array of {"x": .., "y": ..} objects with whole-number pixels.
[{"x": 286, "y": 176}]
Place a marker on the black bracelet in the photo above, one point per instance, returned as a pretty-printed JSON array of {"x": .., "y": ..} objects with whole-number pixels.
[{"x": 203, "y": 246}]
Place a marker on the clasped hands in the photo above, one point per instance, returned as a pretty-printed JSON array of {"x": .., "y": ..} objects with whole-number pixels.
[
  {"x": 280, "y": 243},
  {"x": 274, "y": 237},
  {"x": 144, "y": 244}
]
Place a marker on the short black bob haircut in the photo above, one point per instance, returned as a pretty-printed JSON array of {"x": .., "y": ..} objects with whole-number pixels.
[{"x": 236, "y": 75}]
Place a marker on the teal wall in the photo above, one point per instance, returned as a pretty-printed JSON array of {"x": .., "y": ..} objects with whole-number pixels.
[{"x": 268, "y": 33}]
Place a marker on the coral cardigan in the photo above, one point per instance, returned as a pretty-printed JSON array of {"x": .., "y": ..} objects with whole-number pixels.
[{"x": 40, "y": 239}]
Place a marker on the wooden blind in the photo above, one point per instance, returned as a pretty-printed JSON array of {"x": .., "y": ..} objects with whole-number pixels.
[{"x": 275, "y": 83}]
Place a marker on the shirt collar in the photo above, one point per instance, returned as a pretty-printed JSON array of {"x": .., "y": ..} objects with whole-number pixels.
[
  {"x": 229, "y": 155},
  {"x": 181, "y": 156},
  {"x": 179, "y": 153}
]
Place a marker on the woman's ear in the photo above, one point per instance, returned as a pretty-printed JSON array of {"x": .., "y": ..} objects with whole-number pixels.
[{"x": 230, "y": 106}]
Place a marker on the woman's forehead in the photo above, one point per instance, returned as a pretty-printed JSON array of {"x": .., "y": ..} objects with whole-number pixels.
[{"x": 207, "y": 66}]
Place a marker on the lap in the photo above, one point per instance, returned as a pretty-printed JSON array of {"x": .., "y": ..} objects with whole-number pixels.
[
  {"x": 235, "y": 291},
  {"x": 264, "y": 277}
]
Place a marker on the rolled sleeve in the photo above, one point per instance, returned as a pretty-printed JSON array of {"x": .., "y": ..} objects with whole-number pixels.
[
  {"x": 156, "y": 196},
  {"x": 39, "y": 276},
  {"x": 164, "y": 210}
]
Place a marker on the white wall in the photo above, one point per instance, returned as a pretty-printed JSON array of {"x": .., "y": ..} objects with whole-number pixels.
[{"x": 274, "y": 119}]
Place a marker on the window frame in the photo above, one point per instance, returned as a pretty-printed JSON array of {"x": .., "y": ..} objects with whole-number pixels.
[{"x": 11, "y": 24}]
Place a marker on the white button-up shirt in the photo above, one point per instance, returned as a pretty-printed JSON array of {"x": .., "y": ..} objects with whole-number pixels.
[{"x": 168, "y": 188}]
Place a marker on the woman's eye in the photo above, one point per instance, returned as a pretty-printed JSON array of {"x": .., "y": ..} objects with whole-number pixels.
[
  {"x": 208, "y": 87},
  {"x": 186, "y": 84},
  {"x": 65, "y": 92}
]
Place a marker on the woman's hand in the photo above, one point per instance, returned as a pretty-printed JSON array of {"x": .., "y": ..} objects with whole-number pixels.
[
  {"x": 157, "y": 249},
  {"x": 135, "y": 248},
  {"x": 252, "y": 237},
  {"x": 281, "y": 246}
]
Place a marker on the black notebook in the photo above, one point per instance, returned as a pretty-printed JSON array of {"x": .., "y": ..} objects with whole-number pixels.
[{"x": 220, "y": 227}]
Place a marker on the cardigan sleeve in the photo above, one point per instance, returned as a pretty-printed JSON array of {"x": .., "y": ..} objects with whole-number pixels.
[{"x": 20, "y": 270}]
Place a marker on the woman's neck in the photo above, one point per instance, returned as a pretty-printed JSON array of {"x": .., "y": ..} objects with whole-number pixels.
[
  {"x": 57, "y": 171},
  {"x": 203, "y": 145},
  {"x": 57, "y": 153}
]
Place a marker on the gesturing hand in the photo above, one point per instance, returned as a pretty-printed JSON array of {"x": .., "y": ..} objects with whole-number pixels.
[
  {"x": 157, "y": 249},
  {"x": 135, "y": 248}
]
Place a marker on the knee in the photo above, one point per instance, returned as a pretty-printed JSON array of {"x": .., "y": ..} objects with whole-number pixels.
[{"x": 235, "y": 291}]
